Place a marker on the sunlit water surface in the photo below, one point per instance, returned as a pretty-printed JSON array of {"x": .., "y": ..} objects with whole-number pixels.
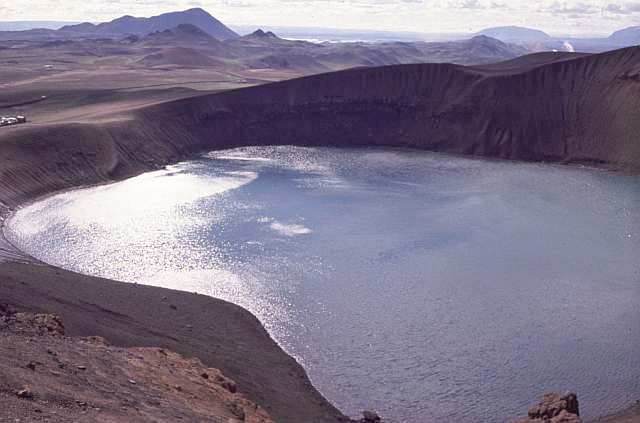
[{"x": 427, "y": 287}]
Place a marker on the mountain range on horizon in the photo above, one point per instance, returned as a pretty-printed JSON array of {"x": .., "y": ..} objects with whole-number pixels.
[
  {"x": 194, "y": 41},
  {"x": 129, "y": 25},
  {"x": 186, "y": 46}
]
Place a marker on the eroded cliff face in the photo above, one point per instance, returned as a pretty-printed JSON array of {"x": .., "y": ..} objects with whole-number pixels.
[{"x": 582, "y": 110}]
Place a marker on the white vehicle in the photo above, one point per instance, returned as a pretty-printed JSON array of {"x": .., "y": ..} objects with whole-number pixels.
[{"x": 10, "y": 120}]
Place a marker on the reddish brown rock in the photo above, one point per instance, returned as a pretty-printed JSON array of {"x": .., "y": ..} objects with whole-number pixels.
[
  {"x": 111, "y": 384},
  {"x": 555, "y": 408}
]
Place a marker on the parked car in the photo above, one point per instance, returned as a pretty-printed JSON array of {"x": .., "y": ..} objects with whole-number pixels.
[{"x": 11, "y": 120}]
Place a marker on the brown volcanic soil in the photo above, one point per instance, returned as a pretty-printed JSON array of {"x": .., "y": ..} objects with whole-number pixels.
[
  {"x": 221, "y": 335},
  {"x": 45, "y": 375}
]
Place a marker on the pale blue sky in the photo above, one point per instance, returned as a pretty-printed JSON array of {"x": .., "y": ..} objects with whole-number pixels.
[{"x": 557, "y": 17}]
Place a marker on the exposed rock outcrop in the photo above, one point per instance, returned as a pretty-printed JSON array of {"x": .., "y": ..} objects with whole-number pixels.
[
  {"x": 85, "y": 379},
  {"x": 555, "y": 408}
]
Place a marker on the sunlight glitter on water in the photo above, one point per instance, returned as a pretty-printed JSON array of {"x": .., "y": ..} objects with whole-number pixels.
[
  {"x": 413, "y": 283},
  {"x": 141, "y": 217}
]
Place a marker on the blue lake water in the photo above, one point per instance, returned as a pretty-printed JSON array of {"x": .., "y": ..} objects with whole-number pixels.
[{"x": 431, "y": 288}]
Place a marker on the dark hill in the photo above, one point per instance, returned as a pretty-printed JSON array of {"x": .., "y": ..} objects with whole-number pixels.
[
  {"x": 190, "y": 31},
  {"x": 261, "y": 34},
  {"x": 139, "y": 26},
  {"x": 182, "y": 32}
]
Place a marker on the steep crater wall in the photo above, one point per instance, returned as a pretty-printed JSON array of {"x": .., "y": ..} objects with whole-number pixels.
[{"x": 583, "y": 110}]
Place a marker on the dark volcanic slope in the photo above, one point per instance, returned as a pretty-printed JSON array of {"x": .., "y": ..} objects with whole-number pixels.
[
  {"x": 584, "y": 110},
  {"x": 531, "y": 61}
]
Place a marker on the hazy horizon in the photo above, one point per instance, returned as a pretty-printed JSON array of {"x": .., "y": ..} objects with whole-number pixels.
[
  {"x": 422, "y": 16},
  {"x": 21, "y": 25}
]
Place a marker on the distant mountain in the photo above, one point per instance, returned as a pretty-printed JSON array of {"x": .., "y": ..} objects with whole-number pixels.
[
  {"x": 515, "y": 33},
  {"x": 129, "y": 25},
  {"x": 628, "y": 36},
  {"x": 263, "y": 50},
  {"x": 261, "y": 34}
]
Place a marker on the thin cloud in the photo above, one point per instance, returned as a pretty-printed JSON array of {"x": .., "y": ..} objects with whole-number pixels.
[
  {"x": 396, "y": 15},
  {"x": 623, "y": 9}
]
